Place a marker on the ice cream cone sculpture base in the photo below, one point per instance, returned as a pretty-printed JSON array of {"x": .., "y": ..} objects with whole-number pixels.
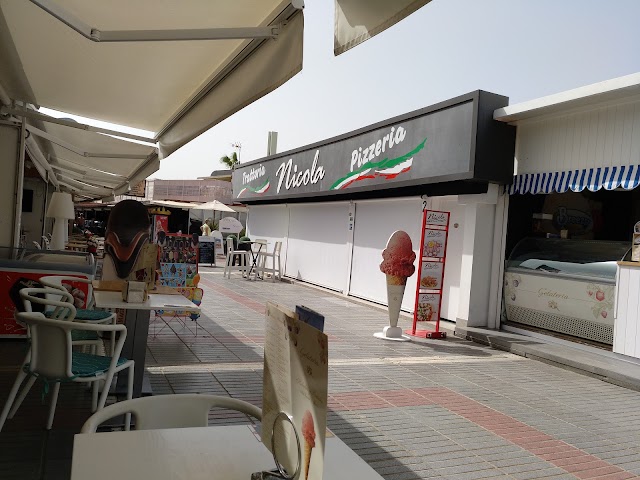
[{"x": 392, "y": 333}]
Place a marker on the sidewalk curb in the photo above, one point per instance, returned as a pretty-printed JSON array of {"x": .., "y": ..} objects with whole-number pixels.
[{"x": 609, "y": 368}]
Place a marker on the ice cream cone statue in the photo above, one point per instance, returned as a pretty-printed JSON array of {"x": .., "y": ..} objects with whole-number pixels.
[
  {"x": 309, "y": 434},
  {"x": 397, "y": 264}
]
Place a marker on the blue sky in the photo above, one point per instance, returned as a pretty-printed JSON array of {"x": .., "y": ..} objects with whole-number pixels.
[{"x": 523, "y": 49}]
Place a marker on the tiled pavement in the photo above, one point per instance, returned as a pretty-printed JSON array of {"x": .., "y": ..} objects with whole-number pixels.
[{"x": 425, "y": 409}]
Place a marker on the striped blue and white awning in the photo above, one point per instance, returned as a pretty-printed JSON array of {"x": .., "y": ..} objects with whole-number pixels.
[{"x": 609, "y": 178}]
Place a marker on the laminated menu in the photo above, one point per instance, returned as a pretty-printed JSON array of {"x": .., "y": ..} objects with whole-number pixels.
[{"x": 295, "y": 382}]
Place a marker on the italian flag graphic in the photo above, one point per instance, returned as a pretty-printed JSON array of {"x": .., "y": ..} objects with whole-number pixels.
[
  {"x": 256, "y": 190},
  {"x": 387, "y": 167}
]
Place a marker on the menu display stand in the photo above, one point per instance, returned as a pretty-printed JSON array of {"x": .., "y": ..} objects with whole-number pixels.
[
  {"x": 207, "y": 250},
  {"x": 433, "y": 256}
]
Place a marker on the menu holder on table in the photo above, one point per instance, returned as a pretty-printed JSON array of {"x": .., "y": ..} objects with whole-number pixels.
[{"x": 295, "y": 386}]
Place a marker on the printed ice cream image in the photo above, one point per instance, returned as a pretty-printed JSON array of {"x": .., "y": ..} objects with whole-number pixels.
[
  {"x": 397, "y": 264},
  {"x": 309, "y": 434}
]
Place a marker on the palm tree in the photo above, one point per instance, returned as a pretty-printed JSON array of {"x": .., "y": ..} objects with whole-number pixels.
[{"x": 230, "y": 161}]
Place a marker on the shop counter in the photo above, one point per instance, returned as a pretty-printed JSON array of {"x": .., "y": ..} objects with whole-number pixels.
[{"x": 626, "y": 335}]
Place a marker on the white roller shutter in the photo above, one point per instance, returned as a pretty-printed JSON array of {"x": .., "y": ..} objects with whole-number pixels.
[
  {"x": 375, "y": 221},
  {"x": 270, "y": 222},
  {"x": 317, "y": 250}
]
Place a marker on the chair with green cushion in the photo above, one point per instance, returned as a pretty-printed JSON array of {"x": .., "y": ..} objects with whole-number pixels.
[
  {"x": 52, "y": 359},
  {"x": 62, "y": 310},
  {"x": 63, "y": 283}
]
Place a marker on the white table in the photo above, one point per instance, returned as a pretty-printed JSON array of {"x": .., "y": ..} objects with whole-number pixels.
[
  {"x": 137, "y": 323},
  {"x": 204, "y": 453}
]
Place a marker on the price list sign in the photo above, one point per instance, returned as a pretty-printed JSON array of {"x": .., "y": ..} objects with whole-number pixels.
[{"x": 433, "y": 248}]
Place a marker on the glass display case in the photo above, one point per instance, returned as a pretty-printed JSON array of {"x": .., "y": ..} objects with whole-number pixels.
[{"x": 567, "y": 286}]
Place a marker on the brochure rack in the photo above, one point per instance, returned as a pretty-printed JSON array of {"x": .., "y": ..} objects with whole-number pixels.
[{"x": 433, "y": 256}]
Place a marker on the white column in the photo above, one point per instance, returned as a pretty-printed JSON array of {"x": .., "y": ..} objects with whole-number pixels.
[{"x": 477, "y": 259}]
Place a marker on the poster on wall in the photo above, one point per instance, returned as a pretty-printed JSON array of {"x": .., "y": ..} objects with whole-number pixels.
[
  {"x": 12, "y": 281},
  {"x": 160, "y": 224}
]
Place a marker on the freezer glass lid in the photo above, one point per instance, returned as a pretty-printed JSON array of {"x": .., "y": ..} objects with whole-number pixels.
[{"x": 590, "y": 258}]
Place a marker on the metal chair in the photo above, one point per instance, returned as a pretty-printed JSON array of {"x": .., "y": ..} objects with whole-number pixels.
[
  {"x": 37, "y": 245},
  {"x": 51, "y": 358},
  {"x": 170, "y": 411},
  {"x": 273, "y": 256}
]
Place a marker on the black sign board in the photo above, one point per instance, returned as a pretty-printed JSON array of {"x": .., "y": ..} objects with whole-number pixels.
[
  {"x": 207, "y": 252},
  {"x": 452, "y": 141}
]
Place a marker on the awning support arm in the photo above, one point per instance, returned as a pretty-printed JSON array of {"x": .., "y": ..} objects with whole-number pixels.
[
  {"x": 106, "y": 36},
  {"x": 80, "y": 168},
  {"x": 69, "y": 123},
  {"x": 73, "y": 148}
]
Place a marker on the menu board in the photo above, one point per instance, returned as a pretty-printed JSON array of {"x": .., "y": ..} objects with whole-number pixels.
[
  {"x": 295, "y": 382},
  {"x": 428, "y": 307},
  {"x": 433, "y": 249},
  {"x": 207, "y": 251},
  {"x": 434, "y": 243},
  {"x": 431, "y": 275},
  {"x": 179, "y": 261}
]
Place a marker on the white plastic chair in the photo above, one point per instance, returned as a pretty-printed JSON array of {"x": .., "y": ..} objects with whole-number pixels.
[
  {"x": 62, "y": 283},
  {"x": 273, "y": 256},
  {"x": 169, "y": 411},
  {"x": 61, "y": 309},
  {"x": 51, "y": 357},
  {"x": 242, "y": 255}
]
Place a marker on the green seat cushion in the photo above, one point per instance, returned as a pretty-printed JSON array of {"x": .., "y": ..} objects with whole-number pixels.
[
  {"x": 85, "y": 314},
  {"x": 88, "y": 314},
  {"x": 84, "y": 335},
  {"x": 87, "y": 365}
]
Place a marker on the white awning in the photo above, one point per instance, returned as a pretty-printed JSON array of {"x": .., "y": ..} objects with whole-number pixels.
[
  {"x": 359, "y": 20},
  {"x": 593, "y": 179},
  {"x": 87, "y": 163},
  {"x": 174, "y": 68}
]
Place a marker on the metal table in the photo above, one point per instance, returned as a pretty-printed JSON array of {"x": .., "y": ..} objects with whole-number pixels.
[{"x": 137, "y": 322}]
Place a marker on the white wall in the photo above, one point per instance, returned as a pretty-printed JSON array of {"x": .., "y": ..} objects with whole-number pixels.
[
  {"x": 9, "y": 156},
  {"x": 375, "y": 221},
  {"x": 606, "y": 136},
  {"x": 317, "y": 250},
  {"x": 451, "y": 290}
]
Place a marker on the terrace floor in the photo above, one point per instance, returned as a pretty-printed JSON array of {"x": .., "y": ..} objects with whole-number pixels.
[{"x": 446, "y": 409}]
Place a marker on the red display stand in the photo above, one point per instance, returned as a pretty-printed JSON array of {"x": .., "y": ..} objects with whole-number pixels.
[{"x": 433, "y": 256}]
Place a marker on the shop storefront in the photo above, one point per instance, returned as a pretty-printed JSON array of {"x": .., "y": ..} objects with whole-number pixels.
[
  {"x": 335, "y": 203},
  {"x": 572, "y": 208}
]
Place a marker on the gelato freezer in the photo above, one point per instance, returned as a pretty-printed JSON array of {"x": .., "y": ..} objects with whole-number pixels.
[{"x": 566, "y": 286}]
